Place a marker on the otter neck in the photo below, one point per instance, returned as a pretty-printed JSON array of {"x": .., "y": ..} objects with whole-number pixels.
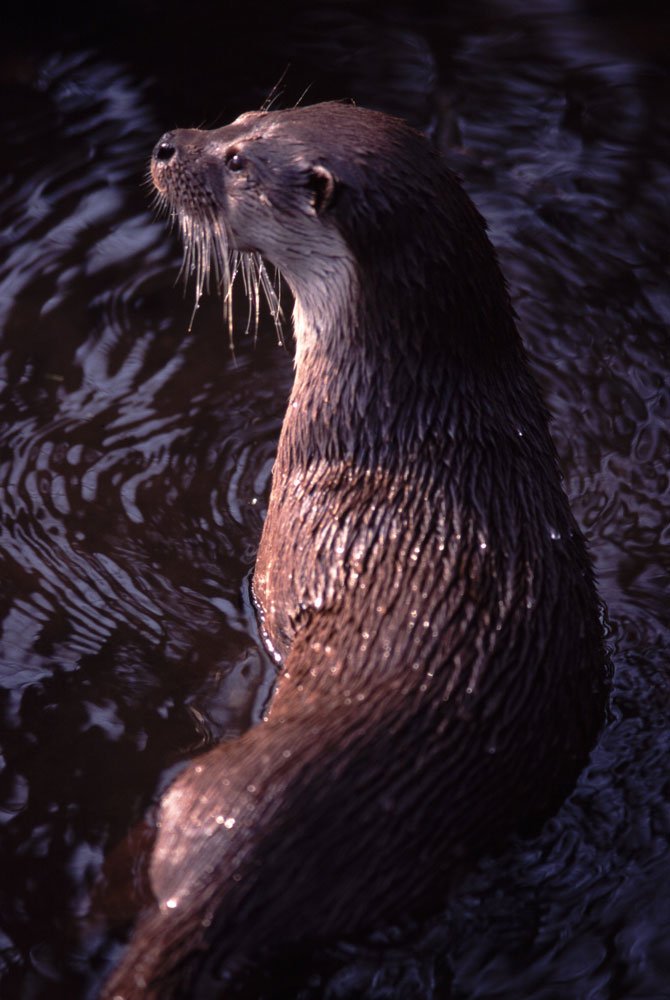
[{"x": 376, "y": 383}]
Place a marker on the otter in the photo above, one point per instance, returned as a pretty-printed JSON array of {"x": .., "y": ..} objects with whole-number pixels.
[{"x": 420, "y": 575}]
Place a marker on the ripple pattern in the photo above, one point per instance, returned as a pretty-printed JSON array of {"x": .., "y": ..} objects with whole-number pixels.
[{"x": 135, "y": 463}]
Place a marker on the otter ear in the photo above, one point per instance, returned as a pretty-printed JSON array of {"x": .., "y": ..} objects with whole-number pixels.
[{"x": 323, "y": 186}]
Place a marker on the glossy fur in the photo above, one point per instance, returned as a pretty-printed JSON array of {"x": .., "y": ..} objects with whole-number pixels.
[{"x": 420, "y": 572}]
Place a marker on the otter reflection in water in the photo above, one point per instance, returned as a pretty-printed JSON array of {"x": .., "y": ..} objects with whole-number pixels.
[{"x": 419, "y": 573}]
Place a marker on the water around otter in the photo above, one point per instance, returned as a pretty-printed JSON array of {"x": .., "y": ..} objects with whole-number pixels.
[{"x": 135, "y": 467}]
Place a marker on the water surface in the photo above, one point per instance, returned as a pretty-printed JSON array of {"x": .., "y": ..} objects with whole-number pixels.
[{"x": 135, "y": 461}]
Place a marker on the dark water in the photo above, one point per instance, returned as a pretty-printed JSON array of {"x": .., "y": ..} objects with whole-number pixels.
[{"x": 135, "y": 462}]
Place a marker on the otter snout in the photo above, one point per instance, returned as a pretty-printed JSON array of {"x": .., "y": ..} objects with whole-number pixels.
[{"x": 175, "y": 151}]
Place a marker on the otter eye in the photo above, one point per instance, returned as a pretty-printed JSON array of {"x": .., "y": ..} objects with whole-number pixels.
[{"x": 235, "y": 161}]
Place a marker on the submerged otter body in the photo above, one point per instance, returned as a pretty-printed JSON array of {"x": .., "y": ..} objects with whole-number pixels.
[{"x": 419, "y": 573}]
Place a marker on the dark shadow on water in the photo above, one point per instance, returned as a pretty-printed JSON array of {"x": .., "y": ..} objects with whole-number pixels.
[{"x": 135, "y": 461}]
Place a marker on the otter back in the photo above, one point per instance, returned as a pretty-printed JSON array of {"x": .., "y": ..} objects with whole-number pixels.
[{"x": 420, "y": 574}]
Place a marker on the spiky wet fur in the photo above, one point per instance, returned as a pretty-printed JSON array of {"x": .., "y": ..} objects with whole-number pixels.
[{"x": 420, "y": 573}]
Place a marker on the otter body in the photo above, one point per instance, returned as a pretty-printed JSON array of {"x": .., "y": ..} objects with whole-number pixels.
[{"x": 419, "y": 573}]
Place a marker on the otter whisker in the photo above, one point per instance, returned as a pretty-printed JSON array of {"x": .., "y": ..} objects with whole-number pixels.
[
  {"x": 271, "y": 295},
  {"x": 210, "y": 256},
  {"x": 244, "y": 262},
  {"x": 196, "y": 261},
  {"x": 207, "y": 249},
  {"x": 196, "y": 306},
  {"x": 255, "y": 301},
  {"x": 160, "y": 206},
  {"x": 276, "y": 91}
]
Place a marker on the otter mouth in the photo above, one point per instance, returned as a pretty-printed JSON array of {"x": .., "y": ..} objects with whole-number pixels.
[{"x": 210, "y": 255}]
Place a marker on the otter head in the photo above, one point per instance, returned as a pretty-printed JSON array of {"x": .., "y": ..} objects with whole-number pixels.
[
  {"x": 356, "y": 210},
  {"x": 256, "y": 191}
]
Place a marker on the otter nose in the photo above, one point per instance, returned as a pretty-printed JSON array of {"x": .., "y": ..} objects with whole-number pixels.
[{"x": 165, "y": 148}]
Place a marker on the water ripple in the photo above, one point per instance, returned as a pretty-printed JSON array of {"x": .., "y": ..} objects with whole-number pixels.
[{"x": 135, "y": 463}]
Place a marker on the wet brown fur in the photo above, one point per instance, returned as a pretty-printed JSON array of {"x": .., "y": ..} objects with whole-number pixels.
[{"x": 419, "y": 573}]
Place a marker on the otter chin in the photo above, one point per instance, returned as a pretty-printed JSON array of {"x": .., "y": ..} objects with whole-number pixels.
[{"x": 419, "y": 574}]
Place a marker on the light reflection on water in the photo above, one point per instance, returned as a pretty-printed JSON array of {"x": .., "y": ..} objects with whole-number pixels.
[{"x": 134, "y": 467}]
